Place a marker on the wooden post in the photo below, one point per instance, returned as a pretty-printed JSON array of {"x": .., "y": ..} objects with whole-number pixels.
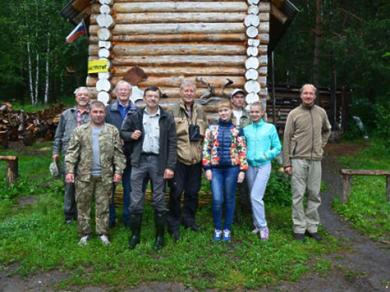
[
  {"x": 346, "y": 188},
  {"x": 388, "y": 187},
  {"x": 12, "y": 168}
]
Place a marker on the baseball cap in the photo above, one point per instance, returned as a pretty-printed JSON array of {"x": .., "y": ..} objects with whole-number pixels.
[{"x": 237, "y": 90}]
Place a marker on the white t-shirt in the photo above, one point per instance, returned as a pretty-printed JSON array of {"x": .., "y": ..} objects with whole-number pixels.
[{"x": 237, "y": 114}]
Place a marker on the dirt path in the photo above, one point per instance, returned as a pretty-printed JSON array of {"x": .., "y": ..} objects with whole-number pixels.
[{"x": 363, "y": 266}]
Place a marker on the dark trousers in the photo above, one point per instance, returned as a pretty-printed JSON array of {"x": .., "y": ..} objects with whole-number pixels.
[{"x": 187, "y": 179}]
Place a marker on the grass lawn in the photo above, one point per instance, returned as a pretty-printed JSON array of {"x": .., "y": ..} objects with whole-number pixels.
[
  {"x": 35, "y": 238},
  {"x": 368, "y": 209}
]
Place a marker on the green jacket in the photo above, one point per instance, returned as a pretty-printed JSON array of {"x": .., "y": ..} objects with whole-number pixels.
[
  {"x": 78, "y": 158},
  {"x": 306, "y": 133}
]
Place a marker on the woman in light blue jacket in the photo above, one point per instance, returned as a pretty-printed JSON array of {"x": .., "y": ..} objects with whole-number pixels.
[{"x": 263, "y": 145}]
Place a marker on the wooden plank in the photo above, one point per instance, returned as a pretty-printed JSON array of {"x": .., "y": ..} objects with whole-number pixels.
[
  {"x": 184, "y": 70},
  {"x": 12, "y": 168},
  {"x": 364, "y": 172},
  {"x": 346, "y": 188},
  {"x": 388, "y": 187}
]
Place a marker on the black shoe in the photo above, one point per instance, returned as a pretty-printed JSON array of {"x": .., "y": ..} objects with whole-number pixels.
[
  {"x": 194, "y": 227},
  {"x": 175, "y": 235},
  {"x": 314, "y": 235},
  {"x": 299, "y": 236},
  {"x": 133, "y": 241}
]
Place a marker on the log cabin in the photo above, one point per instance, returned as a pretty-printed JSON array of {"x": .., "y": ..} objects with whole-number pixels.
[{"x": 221, "y": 45}]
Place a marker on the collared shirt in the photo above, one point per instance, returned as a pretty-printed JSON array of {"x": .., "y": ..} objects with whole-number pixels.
[
  {"x": 82, "y": 116},
  {"x": 151, "y": 127},
  {"x": 237, "y": 114},
  {"x": 123, "y": 110}
]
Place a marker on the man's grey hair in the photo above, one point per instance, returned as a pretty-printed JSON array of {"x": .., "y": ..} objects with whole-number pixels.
[
  {"x": 309, "y": 85},
  {"x": 121, "y": 82},
  {"x": 97, "y": 103},
  {"x": 82, "y": 88},
  {"x": 187, "y": 82}
]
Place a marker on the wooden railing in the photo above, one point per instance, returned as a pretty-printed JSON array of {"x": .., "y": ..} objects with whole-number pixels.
[{"x": 347, "y": 177}]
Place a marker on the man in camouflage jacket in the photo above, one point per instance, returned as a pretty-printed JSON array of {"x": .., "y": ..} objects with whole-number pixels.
[{"x": 93, "y": 161}]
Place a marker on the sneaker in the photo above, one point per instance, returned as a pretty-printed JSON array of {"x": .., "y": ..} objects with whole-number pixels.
[
  {"x": 217, "y": 235},
  {"x": 314, "y": 235},
  {"x": 84, "y": 240},
  {"x": 264, "y": 233},
  {"x": 227, "y": 235},
  {"x": 256, "y": 230},
  {"x": 299, "y": 236},
  {"x": 104, "y": 240}
]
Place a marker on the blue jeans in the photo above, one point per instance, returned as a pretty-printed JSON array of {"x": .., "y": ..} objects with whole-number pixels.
[
  {"x": 126, "y": 198},
  {"x": 223, "y": 186}
]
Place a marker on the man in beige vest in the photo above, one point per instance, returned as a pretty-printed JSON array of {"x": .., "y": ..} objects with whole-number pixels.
[
  {"x": 190, "y": 123},
  {"x": 305, "y": 136}
]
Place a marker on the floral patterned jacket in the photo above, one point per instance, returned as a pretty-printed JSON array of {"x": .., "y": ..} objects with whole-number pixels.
[{"x": 211, "y": 146}]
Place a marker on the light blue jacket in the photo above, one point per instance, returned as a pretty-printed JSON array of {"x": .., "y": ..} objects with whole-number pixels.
[{"x": 263, "y": 143}]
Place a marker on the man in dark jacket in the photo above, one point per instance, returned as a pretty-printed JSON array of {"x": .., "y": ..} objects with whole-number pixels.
[
  {"x": 152, "y": 132},
  {"x": 116, "y": 112}
]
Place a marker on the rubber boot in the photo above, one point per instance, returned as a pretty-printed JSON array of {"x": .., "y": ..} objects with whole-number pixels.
[
  {"x": 135, "y": 227},
  {"x": 160, "y": 222}
]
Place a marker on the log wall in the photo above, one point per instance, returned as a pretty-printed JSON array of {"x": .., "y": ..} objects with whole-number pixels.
[{"x": 172, "y": 40}]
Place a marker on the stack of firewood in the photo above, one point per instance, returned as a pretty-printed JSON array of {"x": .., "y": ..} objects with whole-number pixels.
[{"x": 27, "y": 127}]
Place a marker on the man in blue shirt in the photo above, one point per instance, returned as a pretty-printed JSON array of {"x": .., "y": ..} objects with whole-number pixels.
[{"x": 116, "y": 112}]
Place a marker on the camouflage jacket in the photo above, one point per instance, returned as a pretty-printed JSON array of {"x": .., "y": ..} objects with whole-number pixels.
[{"x": 78, "y": 158}]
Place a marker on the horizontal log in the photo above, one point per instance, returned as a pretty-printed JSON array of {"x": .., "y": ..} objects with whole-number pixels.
[
  {"x": 174, "y": 28},
  {"x": 177, "y": 49},
  {"x": 364, "y": 172},
  {"x": 175, "y": 81},
  {"x": 182, "y": 6},
  {"x": 190, "y": 37},
  {"x": 177, "y": 17},
  {"x": 8, "y": 157},
  {"x": 185, "y": 71},
  {"x": 264, "y": 27},
  {"x": 278, "y": 14},
  {"x": 264, "y": 6},
  {"x": 181, "y": 60}
]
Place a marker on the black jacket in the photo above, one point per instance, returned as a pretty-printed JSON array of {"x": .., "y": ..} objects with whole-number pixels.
[{"x": 167, "y": 154}]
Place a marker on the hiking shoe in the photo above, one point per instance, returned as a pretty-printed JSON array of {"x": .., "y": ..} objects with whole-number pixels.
[
  {"x": 314, "y": 235},
  {"x": 299, "y": 236},
  {"x": 227, "y": 235},
  {"x": 217, "y": 235},
  {"x": 104, "y": 240},
  {"x": 264, "y": 233},
  {"x": 84, "y": 240},
  {"x": 256, "y": 230}
]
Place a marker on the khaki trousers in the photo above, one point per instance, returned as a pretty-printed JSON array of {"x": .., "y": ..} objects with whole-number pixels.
[{"x": 306, "y": 178}]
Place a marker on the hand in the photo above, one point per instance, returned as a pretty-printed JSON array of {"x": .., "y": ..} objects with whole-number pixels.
[
  {"x": 117, "y": 178},
  {"x": 241, "y": 176},
  {"x": 69, "y": 178},
  {"x": 56, "y": 157},
  {"x": 168, "y": 173},
  {"x": 288, "y": 170},
  {"x": 136, "y": 135},
  {"x": 209, "y": 174}
]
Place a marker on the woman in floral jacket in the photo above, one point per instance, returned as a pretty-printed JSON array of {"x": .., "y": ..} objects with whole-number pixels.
[{"x": 224, "y": 160}]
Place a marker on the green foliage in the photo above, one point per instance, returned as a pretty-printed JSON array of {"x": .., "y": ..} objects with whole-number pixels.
[
  {"x": 35, "y": 238},
  {"x": 382, "y": 114},
  {"x": 278, "y": 190},
  {"x": 354, "y": 42},
  {"x": 368, "y": 209}
]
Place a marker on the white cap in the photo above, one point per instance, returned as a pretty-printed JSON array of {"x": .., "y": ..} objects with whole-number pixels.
[{"x": 237, "y": 90}]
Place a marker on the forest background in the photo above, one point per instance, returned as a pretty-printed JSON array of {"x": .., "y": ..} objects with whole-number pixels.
[{"x": 330, "y": 43}]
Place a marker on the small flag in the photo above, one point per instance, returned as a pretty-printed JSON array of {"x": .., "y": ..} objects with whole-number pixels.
[{"x": 77, "y": 32}]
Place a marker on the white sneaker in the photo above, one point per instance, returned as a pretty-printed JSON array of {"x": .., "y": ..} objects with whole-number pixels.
[
  {"x": 256, "y": 230},
  {"x": 83, "y": 240},
  {"x": 104, "y": 240}
]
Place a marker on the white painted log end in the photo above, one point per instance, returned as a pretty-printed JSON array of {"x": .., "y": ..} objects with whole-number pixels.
[
  {"x": 104, "y": 75},
  {"x": 251, "y": 74},
  {"x": 104, "y": 34},
  {"x": 103, "y": 85},
  {"x": 252, "y": 31},
  {"x": 251, "y": 98},
  {"x": 104, "y": 97},
  {"x": 252, "y": 51},
  {"x": 104, "y": 53},
  {"x": 105, "y": 20},
  {"x": 253, "y": 42},
  {"x": 106, "y": 2},
  {"x": 253, "y": 9},
  {"x": 252, "y": 63},
  {"x": 104, "y": 44},
  {"x": 252, "y": 20},
  {"x": 105, "y": 9},
  {"x": 252, "y": 86}
]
